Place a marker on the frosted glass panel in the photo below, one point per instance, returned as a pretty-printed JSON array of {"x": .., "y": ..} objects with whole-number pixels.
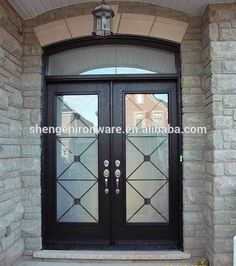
[
  {"x": 77, "y": 159},
  {"x": 112, "y": 59},
  {"x": 147, "y": 159}
]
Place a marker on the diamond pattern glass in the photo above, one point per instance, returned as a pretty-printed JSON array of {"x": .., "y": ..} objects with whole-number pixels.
[
  {"x": 147, "y": 158},
  {"x": 77, "y": 159}
]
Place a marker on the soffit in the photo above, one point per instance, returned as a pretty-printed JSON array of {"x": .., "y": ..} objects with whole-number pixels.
[{"x": 31, "y": 8}]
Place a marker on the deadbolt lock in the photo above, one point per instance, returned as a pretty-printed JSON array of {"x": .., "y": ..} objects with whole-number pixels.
[
  {"x": 117, "y": 173},
  {"x": 106, "y": 173},
  {"x": 117, "y": 163},
  {"x": 106, "y": 163}
]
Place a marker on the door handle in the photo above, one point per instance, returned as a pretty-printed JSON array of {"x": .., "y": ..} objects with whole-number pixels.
[
  {"x": 117, "y": 186},
  {"x": 106, "y": 188},
  {"x": 106, "y": 174},
  {"x": 117, "y": 176}
]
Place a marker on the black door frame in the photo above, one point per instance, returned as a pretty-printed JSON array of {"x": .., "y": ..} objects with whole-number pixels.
[
  {"x": 167, "y": 234},
  {"x": 115, "y": 39},
  {"x": 96, "y": 234}
]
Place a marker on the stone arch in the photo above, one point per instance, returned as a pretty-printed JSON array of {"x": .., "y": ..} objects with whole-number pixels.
[{"x": 124, "y": 23}]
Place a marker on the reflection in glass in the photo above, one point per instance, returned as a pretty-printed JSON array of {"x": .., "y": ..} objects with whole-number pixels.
[
  {"x": 116, "y": 71},
  {"x": 77, "y": 159},
  {"x": 147, "y": 158}
]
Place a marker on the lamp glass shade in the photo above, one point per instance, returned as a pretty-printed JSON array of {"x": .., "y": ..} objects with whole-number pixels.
[{"x": 103, "y": 15}]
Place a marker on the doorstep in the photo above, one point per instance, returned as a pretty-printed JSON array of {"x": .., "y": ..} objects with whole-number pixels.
[{"x": 111, "y": 255}]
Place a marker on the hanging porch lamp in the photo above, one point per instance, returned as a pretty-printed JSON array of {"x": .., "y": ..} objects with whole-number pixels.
[{"x": 102, "y": 20}]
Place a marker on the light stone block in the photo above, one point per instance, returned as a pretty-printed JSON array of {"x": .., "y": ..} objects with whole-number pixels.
[
  {"x": 228, "y": 34},
  {"x": 15, "y": 99},
  {"x": 215, "y": 169},
  {"x": 31, "y": 81},
  {"x": 31, "y": 228},
  {"x": 31, "y": 181},
  {"x": 10, "y": 151},
  {"x": 230, "y": 169},
  {"x": 32, "y": 102},
  {"x": 4, "y": 99},
  {"x": 80, "y": 25},
  {"x": 192, "y": 170},
  {"x": 229, "y": 67},
  {"x": 222, "y": 122},
  {"x": 169, "y": 29},
  {"x": 135, "y": 24},
  {"x": 15, "y": 129},
  {"x": 193, "y": 100},
  {"x": 9, "y": 43},
  {"x": 223, "y": 50},
  {"x": 52, "y": 32},
  {"x": 14, "y": 252},
  {"x": 224, "y": 155},
  {"x": 214, "y": 139},
  {"x": 191, "y": 81},
  {"x": 33, "y": 243},
  {"x": 229, "y": 100},
  {"x": 34, "y": 164},
  {"x": 31, "y": 151},
  {"x": 229, "y": 135},
  {"x": 225, "y": 186}
]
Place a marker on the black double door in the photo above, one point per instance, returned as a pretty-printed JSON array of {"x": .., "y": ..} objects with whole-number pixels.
[{"x": 112, "y": 176}]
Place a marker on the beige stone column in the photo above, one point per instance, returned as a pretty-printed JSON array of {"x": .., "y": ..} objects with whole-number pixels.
[{"x": 219, "y": 83}]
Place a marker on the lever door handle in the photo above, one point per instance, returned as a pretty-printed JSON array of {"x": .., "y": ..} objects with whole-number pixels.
[
  {"x": 106, "y": 186},
  {"x": 117, "y": 186}
]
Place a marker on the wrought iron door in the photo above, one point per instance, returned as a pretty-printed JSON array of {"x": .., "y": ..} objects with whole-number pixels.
[
  {"x": 117, "y": 189},
  {"x": 147, "y": 209},
  {"x": 77, "y": 213}
]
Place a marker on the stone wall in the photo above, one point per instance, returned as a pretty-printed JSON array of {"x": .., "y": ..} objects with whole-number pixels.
[
  {"x": 11, "y": 102},
  {"x": 193, "y": 144},
  {"x": 219, "y": 83}
]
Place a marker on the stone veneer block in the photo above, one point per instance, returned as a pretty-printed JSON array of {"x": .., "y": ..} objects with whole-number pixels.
[
  {"x": 169, "y": 29},
  {"x": 52, "y": 32},
  {"x": 135, "y": 24},
  {"x": 116, "y": 23},
  {"x": 9, "y": 43},
  {"x": 80, "y": 25},
  {"x": 4, "y": 99}
]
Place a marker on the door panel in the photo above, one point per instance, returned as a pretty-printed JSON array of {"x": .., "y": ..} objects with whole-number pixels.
[
  {"x": 146, "y": 208},
  {"x": 147, "y": 158},
  {"x": 78, "y": 210},
  {"x": 77, "y": 159}
]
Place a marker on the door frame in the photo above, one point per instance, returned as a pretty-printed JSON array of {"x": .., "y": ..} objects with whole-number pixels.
[
  {"x": 92, "y": 41},
  {"x": 144, "y": 233}
]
